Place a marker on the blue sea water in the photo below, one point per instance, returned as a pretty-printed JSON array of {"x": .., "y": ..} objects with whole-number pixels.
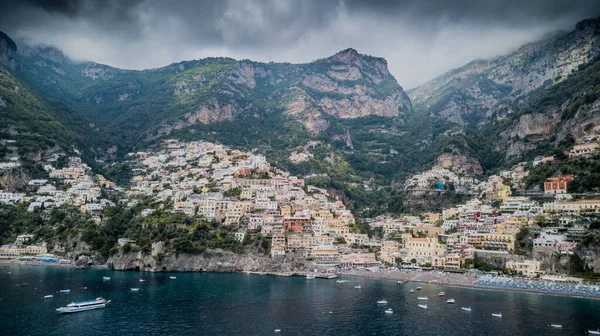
[{"x": 239, "y": 304}]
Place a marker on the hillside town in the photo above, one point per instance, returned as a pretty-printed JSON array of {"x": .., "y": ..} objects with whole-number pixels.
[{"x": 244, "y": 192}]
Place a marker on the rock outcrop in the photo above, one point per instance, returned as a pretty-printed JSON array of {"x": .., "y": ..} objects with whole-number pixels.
[
  {"x": 459, "y": 163},
  {"x": 209, "y": 261},
  {"x": 8, "y": 50}
]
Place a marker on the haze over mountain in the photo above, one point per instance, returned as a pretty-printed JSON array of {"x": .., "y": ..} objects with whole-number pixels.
[{"x": 420, "y": 39}]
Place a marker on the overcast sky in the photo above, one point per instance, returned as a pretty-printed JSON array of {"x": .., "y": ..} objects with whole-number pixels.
[{"x": 420, "y": 39}]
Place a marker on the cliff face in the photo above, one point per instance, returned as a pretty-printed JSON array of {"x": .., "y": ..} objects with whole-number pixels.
[
  {"x": 209, "y": 261},
  {"x": 459, "y": 163},
  {"x": 8, "y": 50}
]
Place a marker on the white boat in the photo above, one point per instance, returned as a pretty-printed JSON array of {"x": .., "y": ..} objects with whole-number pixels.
[
  {"x": 172, "y": 277},
  {"x": 497, "y": 314},
  {"x": 423, "y": 306},
  {"x": 412, "y": 290},
  {"x": 594, "y": 332},
  {"x": 419, "y": 288},
  {"x": 76, "y": 307},
  {"x": 135, "y": 289},
  {"x": 341, "y": 281},
  {"x": 142, "y": 280},
  {"x": 382, "y": 302},
  {"x": 389, "y": 311},
  {"x": 48, "y": 296},
  {"x": 277, "y": 330},
  {"x": 310, "y": 276},
  {"x": 450, "y": 301},
  {"x": 357, "y": 287},
  {"x": 105, "y": 278},
  {"x": 422, "y": 298},
  {"x": 466, "y": 308},
  {"x": 442, "y": 294},
  {"x": 65, "y": 291},
  {"x": 557, "y": 326}
]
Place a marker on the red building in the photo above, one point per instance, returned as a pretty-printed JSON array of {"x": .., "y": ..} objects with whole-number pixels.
[{"x": 557, "y": 184}]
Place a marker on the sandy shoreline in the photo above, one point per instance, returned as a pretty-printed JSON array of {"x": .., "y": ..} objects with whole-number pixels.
[{"x": 424, "y": 278}]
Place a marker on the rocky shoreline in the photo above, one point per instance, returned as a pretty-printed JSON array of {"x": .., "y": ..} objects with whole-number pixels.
[{"x": 209, "y": 261}]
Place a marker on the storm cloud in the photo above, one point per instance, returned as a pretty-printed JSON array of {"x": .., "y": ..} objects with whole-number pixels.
[{"x": 420, "y": 39}]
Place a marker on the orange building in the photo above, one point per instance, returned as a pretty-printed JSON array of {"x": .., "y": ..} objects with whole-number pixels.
[
  {"x": 557, "y": 184},
  {"x": 295, "y": 224}
]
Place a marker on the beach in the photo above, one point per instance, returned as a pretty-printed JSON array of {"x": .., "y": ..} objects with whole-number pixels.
[{"x": 463, "y": 280}]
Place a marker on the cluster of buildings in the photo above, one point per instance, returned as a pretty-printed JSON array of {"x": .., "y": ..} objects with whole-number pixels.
[
  {"x": 73, "y": 185},
  {"x": 242, "y": 190},
  {"x": 22, "y": 246},
  {"x": 439, "y": 178}
]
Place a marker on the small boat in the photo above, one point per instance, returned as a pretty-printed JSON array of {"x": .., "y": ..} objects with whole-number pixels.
[
  {"x": 466, "y": 308},
  {"x": 412, "y": 290},
  {"x": 105, "y": 278},
  {"x": 382, "y": 302},
  {"x": 277, "y": 330},
  {"x": 48, "y": 296},
  {"x": 83, "y": 287},
  {"x": 65, "y": 291},
  {"x": 450, "y": 301},
  {"x": 442, "y": 294},
  {"x": 22, "y": 284},
  {"x": 422, "y": 298},
  {"x": 557, "y": 326},
  {"x": 76, "y": 307},
  {"x": 594, "y": 332},
  {"x": 172, "y": 277},
  {"x": 142, "y": 280},
  {"x": 135, "y": 289},
  {"x": 357, "y": 287},
  {"x": 423, "y": 306},
  {"x": 419, "y": 288},
  {"x": 341, "y": 281},
  {"x": 401, "y": 282},
  {"x": 389, "y": 311},
  {"x": 310, "y": 276},
  {"x": 497, "y": 314}
]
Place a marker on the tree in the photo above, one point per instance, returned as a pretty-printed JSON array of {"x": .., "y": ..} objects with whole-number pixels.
[{"x": 413, "y": 261}]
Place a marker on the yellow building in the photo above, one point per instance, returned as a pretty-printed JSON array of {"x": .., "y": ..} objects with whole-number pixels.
[{"x": 503, "y": 192}]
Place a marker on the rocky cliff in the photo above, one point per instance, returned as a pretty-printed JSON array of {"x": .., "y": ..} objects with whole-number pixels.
[
  {"x": 209, "y": 261},
  {"x": 8, "y": 50}
]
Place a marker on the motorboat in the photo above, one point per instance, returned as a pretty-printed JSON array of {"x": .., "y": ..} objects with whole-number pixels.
[
  {"x": 466, "y": 308},
  {"x": 442, "y": 294},
  {"x": 382, "y": 302},
  {"x": 423, "y": 306},
  {"x": 76, "y": 307},
  {"x": 450, "y": 301},
  {"x": 389, "y": 311},
  {"x": 557, "y": 326},
  {"x": 341, "y": 281},
  {"x": 497, "y": 314},
  {"x": 277, "y": 330},
  {"x": 310, "y": 276},
  {"x": 135, "y": 289},
  {"x": 594, "y": 332},
  {"x": 401, "y": 282},
  {"x": 172, "y": 277},
  {"x": 48, "y": 296},
  {"x": 412, "y": 290},
  {"x": 142, "y": 280},
  {"x": 423, "y": 298},
  {"x": 419, "y": 288},
  {"x": 65, "y": 291},
  {"x": 105, "y": 278},
  {"x": 357, "y": 287}
]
